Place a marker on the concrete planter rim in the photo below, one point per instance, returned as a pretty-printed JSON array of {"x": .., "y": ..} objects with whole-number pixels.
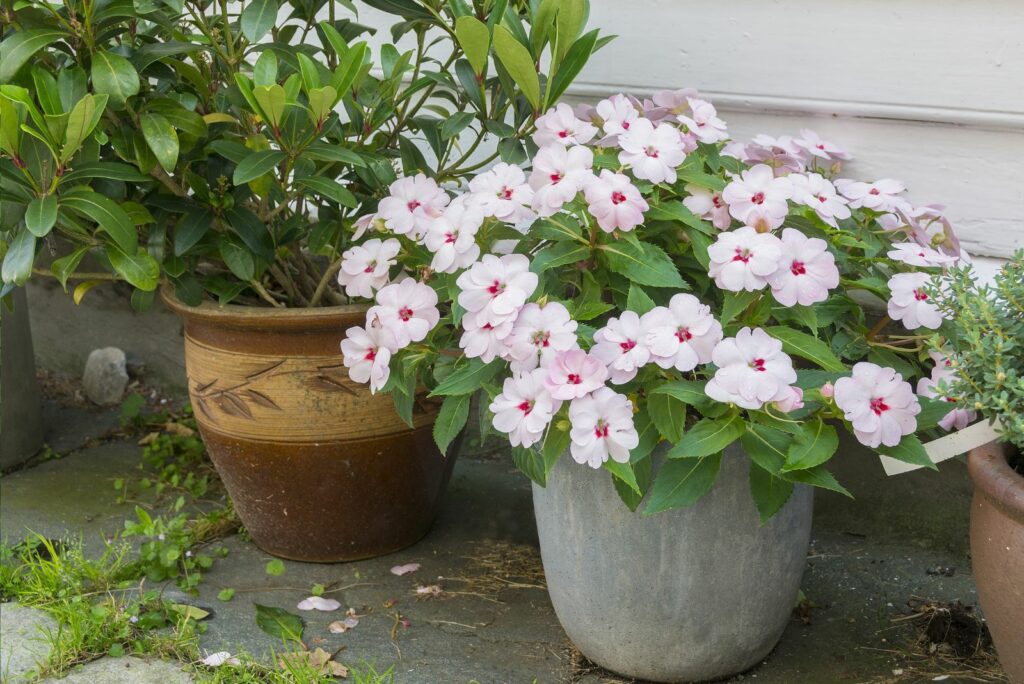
[{"x": 990, "y": 470}]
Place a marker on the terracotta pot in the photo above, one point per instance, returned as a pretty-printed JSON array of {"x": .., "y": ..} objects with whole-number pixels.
[
  {"x": 997, "y": 551},
  {"x": 317, "y": 467}
]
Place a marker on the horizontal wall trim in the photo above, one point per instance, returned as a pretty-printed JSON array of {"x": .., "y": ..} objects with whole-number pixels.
[{"x": 774, "y": 104}]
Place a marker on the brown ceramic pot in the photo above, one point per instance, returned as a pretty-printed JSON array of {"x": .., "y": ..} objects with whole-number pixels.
[
  {"x": 317, "y": 467},
  {"x": 997, "y": 551}
]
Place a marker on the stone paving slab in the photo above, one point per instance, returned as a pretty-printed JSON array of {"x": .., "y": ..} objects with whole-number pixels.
[
  {"x": 128, "y": 670},
  {"x": 22, "y": 641}
]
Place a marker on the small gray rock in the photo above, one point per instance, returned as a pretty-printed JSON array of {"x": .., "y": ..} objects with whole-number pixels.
[{"x": 106, "y": 376}]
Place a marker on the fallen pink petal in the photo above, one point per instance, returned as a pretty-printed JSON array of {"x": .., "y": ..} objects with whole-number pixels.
[
  {"x": 405, "y": 569},
  {"x": 220, "y": 658},
  {"x": 342, "y": 626},
  {"x": 318, "y": 603}
]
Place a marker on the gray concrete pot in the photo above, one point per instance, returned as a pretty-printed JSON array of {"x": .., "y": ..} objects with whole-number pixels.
[
  {"x": 690, "y": 594},
  {"x": 21, "y": 423}
]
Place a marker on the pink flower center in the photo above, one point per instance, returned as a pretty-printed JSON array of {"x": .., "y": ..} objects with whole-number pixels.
[
  {"x": 742, "y": 255},
  {"x": 757, "y": 198},
  {"x": 717, "y": 201},
  {"x": 601, "y": 429},
  {"x": 555, "y": 177},
  {"x": 625, "y": 125},
  {"x": 758, "y": 365},
  {"x": 920, "y": 295},
  {"x": 797, "y": 268},
  {"x": 506, "y": 193},
  {"x": 618, "y": 197},
  {"x": 651, "y": 152},
  {"x": 413, "y": 205},
  {"x": 820, "y": 147},
  {"x": 450, "y": 238},
  {"x": 563, "y": 134},
  {"x": 822, "y": 199},
  {"x": 874, "y": 191},
  {"x": 627, "y": 346},
  {"x": 371, "y": 354},
  {"x": 683, "y": 335},
  {"x": 405, "y": 313},
  {"x": 879, "y": 406},
  {"x": 541, "y": 338},
  {"x": 370, "y": 267},
  {"x": 526, "y": 407},
  {"x": 496, "y": 288},
  {"x": 573, "y": 379}
]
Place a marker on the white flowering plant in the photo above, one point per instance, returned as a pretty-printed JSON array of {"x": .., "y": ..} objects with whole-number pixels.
[{"x": 647, "y": 280}]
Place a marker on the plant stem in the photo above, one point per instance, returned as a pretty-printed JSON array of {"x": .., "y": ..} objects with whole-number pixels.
[{"x": 324, "y": 280}]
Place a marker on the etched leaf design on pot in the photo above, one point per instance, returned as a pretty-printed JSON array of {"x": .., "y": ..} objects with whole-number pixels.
[{"x": 261, "y": 399}]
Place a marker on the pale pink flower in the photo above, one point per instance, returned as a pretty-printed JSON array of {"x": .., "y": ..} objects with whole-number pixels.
[
  {"x": 614, "y": 201},
  {"x": 879, "y": 196},
  {"x": 822, "y": 149},
  {"x": 793, "y": 402},
  {"x": 539, "y": 333},
  {"x": 703, "y": 122},
  {"x": 559, "y": 126},
  {"x": 494, "y": 289},
  {"x": 602, "y": 427},
  {"x": 758, "y": 191},
  {"x": 367, "y": 355},
  {"x": 752, "y": 370},
  {"x": 452, "y": 236},
  {"x": 683, "y": 334},
  {"x": 743, "y": 259},
  {"x": 558, "y": 174},
  {"x": 915, "y": 255},
  {"x": 807, "y": 270},
  {"x": 362, "y": 224},
  {"x": 364, "y": 268},
  {"x": 828, "y": 390},
  {"x": 616, "y": 114},
  {"x": 573, "y": 374},
  {"x": 653, "y": 153},
  {"x": 524, "y": 408},
  {"x": 937, "y": 387},
  {"x": 909, "y": 301},
  {"x": 486, "y": 342},
  {"x": 674, "y": 102},
  {"x": 781, "y": 154},
  {"x": 622, "y": 346},
  {"x": 878, "y": 403},
  {"x": 928, "y": 226},
  {"x": 407, "y": 311},
  {"x": 708, "y": 205},
  {"x": 818, "y": 193},
  {"x": 502, "y": 192},
  {"x": 413, "y": 202}
]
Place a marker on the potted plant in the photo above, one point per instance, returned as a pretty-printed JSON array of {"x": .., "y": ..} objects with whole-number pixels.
[
  {"x": 688, "y": 317},
  {"x": 986, "y": 375},
  {"x": 224, "y": 155}
]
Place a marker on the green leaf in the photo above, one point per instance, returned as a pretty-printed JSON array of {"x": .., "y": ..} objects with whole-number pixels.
[
  {"x": 637, "y": 300},
  {"x": 623, "y": 472},
  {"x": 766, "y": 446},
  {"x": 279, "y": 623},
  {"x": 21, "y": 253},
  {"x": 770, "y": 493},
  {"x": 115, "y": 76},
  {"x": 81, "y": 121},
  {"x": 455, "y": 124},
  {"x": 909, "y": 450},
  {"x": 709, "y": 436},
  {"x": 556, "y": 441},
  {"x": 807, "y": 347},
  {"x": 332, "y": 190},
  {"x": 467, "y": 378},
  {"x": 569, "y": 68},
  {"x": 189, "y": 612},
  {"x": 690, "y": 392},
  {"x": 275, "y": 568},
  {"x": 816, "y": 442},
  {"x": 519, "y": 63},
  {"x": 226, "y": 594},
  {"x": 10, "y": 126},
  {"x": 475, "y": 40},
  {"x": 107, "y": 214},
  {"x": 252, "y": 230},
  {"x": 558, "y": 228},
  {"x": 63, "y": 267},
  {"x": 191, "y": 228},
  {"x": 349, "y": 66},
  {"x": 336, "y": 153},
  {"x": 19, "y": 46},
  {"x": 531, "y": 463},
  {"x": 558, "y": 254},
  {"x": 258, "y": 17},
  {"x": 736, "y": 303},
  {"x": 819, "y": 476},
  {"x": 676, "y": 211},
  {"x": 41, "y": 214},
  {"x": 643, "y": 263},
  {"x": 256, "y": 164},
  {"x": 450, "y": 420},
  {"x": 104, "y": 169},
  {"x": 272, "y": 101},
  {"x": 162, "y": 139},
  {"x": 668, "y": 415},
  {"x": 932, "y": 411},
  {"x": 264, "y": 72},
  {"x": 682, "y": 482},
  {"x": 237, "y": 258},
  {"x": 321, "y": 102},
  {"x": 140, "y": 269}
]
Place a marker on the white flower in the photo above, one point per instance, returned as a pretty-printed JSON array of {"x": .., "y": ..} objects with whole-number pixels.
[
  {"x": 909, "y": 301},
  {"x": 617, "y": 114},
  {"x": 615, "y": 202},
  {"x": 367, "y": 355},
  {"x": 364, "y": 268},
  {"x": 818, "y": 193},
  {"x": 708, "y": 205},
  {"x": 622, "y": 346},
  {"x": 559, "y": 126},
  {"x": 916, "y": 255},
  {"x": 937, "y": 387},
  {"x": 878, "y": 403},
  {"x": 812, "y": 142},
  {"x": 653, "y": 153},
  {"x": 602, "y": 427},
  {"x": 807, "y": 270},
  {"x": 413, "y": 203},
  {"x": 494, "y": 289},
  {"x": 540, "y": 333},
  {"x": 573, "y": 374},
  {"x": 407, "y": 311},
  {"x": 502, "y": 192},
  {"x": 683, "y": 335},
  {"x": 880, "y": 196},
  {"x": 757, "y": 196},
  {"x": 743, "y": 259},
  {"x": 487, "y": 342},
  {"x": 703, "y": 122},
  {"x": 452, "y": 236},
  {"x": 752, "y": 370},
  {"x": 524, "y": 408},
  {"x": 558, "y": 174}
]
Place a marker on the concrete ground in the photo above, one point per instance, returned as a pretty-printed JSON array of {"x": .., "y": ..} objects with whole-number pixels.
[{"x": 491, "y": 621}]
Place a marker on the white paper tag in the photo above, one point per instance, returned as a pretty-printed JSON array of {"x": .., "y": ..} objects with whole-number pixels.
[{"x": 947, "y": 447}]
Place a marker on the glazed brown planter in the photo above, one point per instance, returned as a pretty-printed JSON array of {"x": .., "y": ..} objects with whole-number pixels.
[
  {"x": 317, "y": 467},
  {"x": 997, "y": 551}
]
